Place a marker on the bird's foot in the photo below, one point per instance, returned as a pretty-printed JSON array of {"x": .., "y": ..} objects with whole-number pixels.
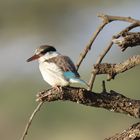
[{"x": 58, "y": 88}]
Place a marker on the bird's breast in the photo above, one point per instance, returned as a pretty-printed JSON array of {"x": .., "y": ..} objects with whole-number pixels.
[{"x": 52, "y": 74}]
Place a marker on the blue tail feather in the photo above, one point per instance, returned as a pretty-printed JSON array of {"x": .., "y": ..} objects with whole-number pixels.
[
  {"x": 69, "y": 74},
  {"x": 73, "y": 79}
]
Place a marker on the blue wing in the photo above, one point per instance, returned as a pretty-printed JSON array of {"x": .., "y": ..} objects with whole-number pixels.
[
  {"x": 69, "y": 75},
  {"x": 72, "y": 78}
]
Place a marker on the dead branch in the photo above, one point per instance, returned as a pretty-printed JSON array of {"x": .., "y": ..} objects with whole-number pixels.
[
  {"x": 112, "y": 101},
  {"x": 132, "y": 133},
  {"x": 99, "y": 60},
  {"x": 120, "y": 18},
  {"x": 126, "y": 30},
  {"x": 128, "y": 40},
  {"x": 88, "y": 46},
  {"x": 113, "y": 69},
  {"x": 30, "y": 120},
  {"x": 105, "y": 20}
]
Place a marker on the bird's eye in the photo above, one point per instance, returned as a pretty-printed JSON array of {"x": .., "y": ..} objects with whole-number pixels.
[{"x": 43, "y": 51}]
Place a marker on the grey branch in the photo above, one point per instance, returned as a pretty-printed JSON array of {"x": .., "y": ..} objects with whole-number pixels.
[
  {"x": 111, "y": 18},
  {"x": 111, "y": 101},
  {"x": 132, "y": 133},
  {"x": 113, "y": 69}
]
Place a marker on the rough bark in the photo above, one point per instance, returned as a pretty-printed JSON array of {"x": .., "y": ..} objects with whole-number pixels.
[
  {"x": 128, "y": 40},
  {"x": 132, "y": 133},
  {"x": 113, "y": 69},
  {"x": 112, "y": 101}
]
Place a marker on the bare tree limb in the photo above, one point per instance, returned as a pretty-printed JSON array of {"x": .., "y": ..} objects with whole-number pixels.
[
  {"x": 120, "y": 18},
  {"x": 126, "y": 30},
  {"x": 112, "y": 101},
  {"x": 99, "y": 60},
  {"x": 88, "y": 46},
  {"x": 106, "y": 19},
  {"x": 113, "y": 69},
  {"x": 30, "y": 120},
  {"x": 132, "y": 133},
  {"x": 128, "y": 40}
]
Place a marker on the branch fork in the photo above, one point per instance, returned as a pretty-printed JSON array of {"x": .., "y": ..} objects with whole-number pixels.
[{"x": 114, "y": 69}]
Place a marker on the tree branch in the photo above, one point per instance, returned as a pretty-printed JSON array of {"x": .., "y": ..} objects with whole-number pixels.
[
  {"x": 126, "y": 30},
  {"x": 113, "y": 69},
  {"x": 130, "y": 39},
  {"x": 99, "y": 60},
  {"x": 127, "y": 41},
  {"x": 30, "y": 120},
  {"x": 132, "y": 133},
  {"x": 113, "y": 18},
  {"x": 112, "y": 101},
  {"x": 105, "y": 20},
  {"x": 88, "y": 46}
]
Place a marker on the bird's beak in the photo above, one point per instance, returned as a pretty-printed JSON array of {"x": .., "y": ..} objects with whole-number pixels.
[{"x": 34, "y": 57}]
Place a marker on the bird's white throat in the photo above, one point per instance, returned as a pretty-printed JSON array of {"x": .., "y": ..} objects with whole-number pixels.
[{"x": 47, "y": 56}]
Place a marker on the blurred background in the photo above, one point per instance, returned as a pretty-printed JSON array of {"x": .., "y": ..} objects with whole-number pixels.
[{"x": 68, "y": 25}]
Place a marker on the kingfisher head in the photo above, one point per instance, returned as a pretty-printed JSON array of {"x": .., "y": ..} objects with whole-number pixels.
[{"x": 44, "y": 51}]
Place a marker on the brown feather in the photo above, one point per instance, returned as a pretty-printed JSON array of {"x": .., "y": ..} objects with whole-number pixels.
[{"x": 64, "y": 63}]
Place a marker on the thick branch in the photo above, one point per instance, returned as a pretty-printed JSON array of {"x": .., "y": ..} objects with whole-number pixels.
[
  {"x": 132, "y": 133},
  {"x": 126, "y": 30},
  {"x": 113, "y": 69},
  {"x": 112, "y": 101},
  {"x": 127, "y": 40}
]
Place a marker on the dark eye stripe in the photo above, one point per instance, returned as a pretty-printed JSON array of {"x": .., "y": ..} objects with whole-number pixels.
[{"x": 47, "y": 49}]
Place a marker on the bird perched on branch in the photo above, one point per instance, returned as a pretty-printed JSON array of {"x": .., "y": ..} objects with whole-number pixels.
[{"x": 57, "y": 70}]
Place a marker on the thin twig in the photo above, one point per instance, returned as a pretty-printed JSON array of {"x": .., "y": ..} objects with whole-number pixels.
[
  {"x": 126, "y": 30},
  {"x": 106, "y": 19},
  {"x": 30, "y": 120},
  {"x": 113, "y": 18},
  {"x": 99, "y": 60},
  {"x": 103, "y": 86},
  {"x": 88, "y": 46}
]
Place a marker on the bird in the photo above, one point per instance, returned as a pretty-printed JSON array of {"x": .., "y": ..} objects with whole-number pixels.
[{"x": 57, "y": 70}]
